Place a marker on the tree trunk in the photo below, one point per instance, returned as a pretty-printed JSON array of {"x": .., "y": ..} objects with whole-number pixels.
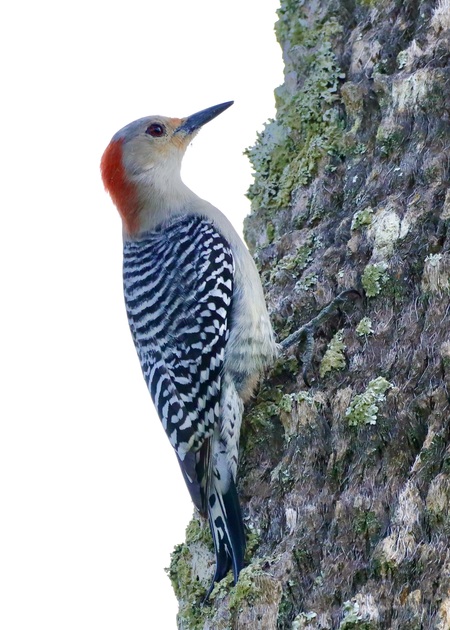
[{"x": 345, "y": 484}]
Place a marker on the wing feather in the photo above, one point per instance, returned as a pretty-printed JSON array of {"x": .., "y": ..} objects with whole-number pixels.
[{"x": 178, "y": 284}]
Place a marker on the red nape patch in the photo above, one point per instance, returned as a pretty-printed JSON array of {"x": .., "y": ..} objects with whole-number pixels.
[{"x": 122, "y": 191}]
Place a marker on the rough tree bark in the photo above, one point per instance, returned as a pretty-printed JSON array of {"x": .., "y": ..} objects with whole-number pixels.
[{"x": 345, "y": 484}]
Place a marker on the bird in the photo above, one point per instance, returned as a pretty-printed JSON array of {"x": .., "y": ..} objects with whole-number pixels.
[{"x": 197, "y": 315}]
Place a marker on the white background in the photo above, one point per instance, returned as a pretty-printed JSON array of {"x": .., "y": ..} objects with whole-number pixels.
[{"x": 91, "y": 497}]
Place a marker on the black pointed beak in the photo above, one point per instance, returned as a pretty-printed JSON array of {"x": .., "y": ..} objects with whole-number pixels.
[{"x": 194, "y": 122}]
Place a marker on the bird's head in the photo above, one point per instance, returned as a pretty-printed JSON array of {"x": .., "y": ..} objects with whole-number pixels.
[{"x": 143, "y": 160}]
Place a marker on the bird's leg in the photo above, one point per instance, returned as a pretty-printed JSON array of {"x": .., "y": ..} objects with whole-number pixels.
[{"x": 306, "y": 332}]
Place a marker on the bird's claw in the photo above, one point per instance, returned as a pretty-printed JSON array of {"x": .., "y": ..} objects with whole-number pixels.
[{"x": 306, "y": 332}]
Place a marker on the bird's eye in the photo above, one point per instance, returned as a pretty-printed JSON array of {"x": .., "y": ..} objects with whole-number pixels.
[{"x": 156, "y": 130}]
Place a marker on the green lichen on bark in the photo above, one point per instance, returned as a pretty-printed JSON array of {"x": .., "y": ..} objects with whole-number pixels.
[
  {"x": 190, "y": 585},
  {"x": 373, "y": 278},
  {"x": 362, "y": 218},
  {"x": 334, "y": 358},
  {"x": 364, "y": 407},
  {"x": 364, "y": 327},
  {"x": 308, "y": 126},
  {"x": 354, "y": 619}
]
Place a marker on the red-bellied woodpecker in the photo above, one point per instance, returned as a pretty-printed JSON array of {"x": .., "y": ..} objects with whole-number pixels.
[{"x": 196, "y": 311}]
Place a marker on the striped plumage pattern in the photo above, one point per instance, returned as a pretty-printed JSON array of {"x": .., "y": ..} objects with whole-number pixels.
[{"x": 178, "y": 284}]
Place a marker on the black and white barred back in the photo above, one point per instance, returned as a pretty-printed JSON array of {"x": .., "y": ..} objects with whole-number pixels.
[{"x": 178, "y": 285}]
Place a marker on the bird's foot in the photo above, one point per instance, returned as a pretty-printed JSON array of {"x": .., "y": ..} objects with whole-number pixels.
[{"x": 306, "y": 332}]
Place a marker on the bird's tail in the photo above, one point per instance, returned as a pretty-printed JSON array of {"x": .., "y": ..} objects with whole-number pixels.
[{"x": 225, "y": 521}]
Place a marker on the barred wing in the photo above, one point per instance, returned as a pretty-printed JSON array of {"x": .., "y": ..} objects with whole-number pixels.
[{"x": 178, "y": 285}]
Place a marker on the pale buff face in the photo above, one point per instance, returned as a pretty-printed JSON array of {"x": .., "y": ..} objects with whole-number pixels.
[{"x": 153, "y": 142}]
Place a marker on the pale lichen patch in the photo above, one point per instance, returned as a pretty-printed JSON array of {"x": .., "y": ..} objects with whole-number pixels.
[
  {"x": 364, "y": 407},
  {"x": 406, "y": 58},
  {"x": 364, "y": 327},
  {"x": 360, "y": 612},
  {"x": 334, "y": 358},
  {"x": 441, "y": 16},
  {"x": 305, "y": 621},
  {"x": 385, "y": 231},
  {"x": 445, "y": 214},
  {"x": 443, "y": 617},
  {"x": 409, "y": 508},
  {"x": 362, "y": 218},
  {"x": 436, "y": 274},
  {"x": 393, "y": 550},
  {"x": 373, "y": 278},
  {"x": 409, "y": 91}
]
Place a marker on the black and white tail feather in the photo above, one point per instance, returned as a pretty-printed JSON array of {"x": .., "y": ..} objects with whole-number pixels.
[
  {"x": 178, "y": 285},
  {"x": 225, "y": 521}
]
